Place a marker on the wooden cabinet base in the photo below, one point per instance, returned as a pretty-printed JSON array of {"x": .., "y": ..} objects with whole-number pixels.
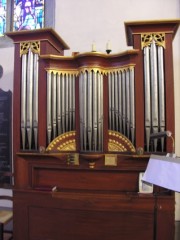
[{"x": 74, "y": 215}]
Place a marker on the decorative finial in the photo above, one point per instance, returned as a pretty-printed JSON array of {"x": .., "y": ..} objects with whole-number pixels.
[{"x": 108, "y": 47}]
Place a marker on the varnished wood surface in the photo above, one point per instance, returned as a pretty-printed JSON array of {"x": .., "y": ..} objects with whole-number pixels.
[{"x": 99, "y": 203}]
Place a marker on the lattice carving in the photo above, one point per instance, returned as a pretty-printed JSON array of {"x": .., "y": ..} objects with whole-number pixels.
[
  {"x": 147, "y": 38},
  {"x": 25, "y": 46}
]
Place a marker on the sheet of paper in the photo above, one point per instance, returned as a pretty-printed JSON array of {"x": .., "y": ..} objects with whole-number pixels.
[{"x": 164, "y": 172}]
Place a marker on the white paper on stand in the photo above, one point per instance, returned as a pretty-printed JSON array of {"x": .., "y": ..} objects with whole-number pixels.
[{"x": 164, "y": 172}]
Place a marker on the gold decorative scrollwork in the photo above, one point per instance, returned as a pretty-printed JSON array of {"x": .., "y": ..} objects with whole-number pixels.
[
  {"x": 25, "y": 46},
  {"x": 147, "y": 38}
]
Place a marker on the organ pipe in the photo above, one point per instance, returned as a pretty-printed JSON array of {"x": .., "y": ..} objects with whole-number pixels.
[
  {"x": 161, "y": 93},
  {"x": 29, "y": 97},
  {"x": 154, "y": 90},
  {"x": 147, "y": 93},
  {"x": 35, "y": 98},
  {"x": 132, "y": 106},
  {"x": 23, "y": 100}
]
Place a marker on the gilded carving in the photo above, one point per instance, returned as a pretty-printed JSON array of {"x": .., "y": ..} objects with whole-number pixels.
[
  {"x": 119, "y": 143},
  {"x": 114, "y": 146},
  {"x": 64, "y": 142},
  {"x": 25, "y": 46},
  {"x": 63, "y": 72},
  {"x": 147, "y": 38},
  {"x": 95, "y": 69}
]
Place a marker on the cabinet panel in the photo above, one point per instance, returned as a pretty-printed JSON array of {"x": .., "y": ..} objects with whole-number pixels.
[{"x": 70, "y": 224}]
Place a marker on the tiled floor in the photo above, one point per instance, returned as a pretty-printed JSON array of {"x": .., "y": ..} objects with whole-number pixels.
[{"x": 177, "y": 230}]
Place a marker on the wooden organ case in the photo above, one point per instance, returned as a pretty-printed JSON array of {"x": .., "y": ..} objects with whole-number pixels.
[{"x": 81, "y": 136}]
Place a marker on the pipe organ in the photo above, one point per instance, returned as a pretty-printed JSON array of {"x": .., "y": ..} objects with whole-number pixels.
[
  {"x": 81, "y": 136},
  {"x": 61, "y": 98}
]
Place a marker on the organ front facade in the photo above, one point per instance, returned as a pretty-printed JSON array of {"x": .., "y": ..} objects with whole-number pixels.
[{"x": 82, "y": 127}]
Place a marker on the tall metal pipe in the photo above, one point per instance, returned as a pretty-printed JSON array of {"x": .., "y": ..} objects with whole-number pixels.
[
  {"x": 113, "y": 101},
  {"x": 132, "y": 106},
  {"x": 73, "y": 101},
  {"x": 85, "y": 81},
  {"x": 54, "y": 105},
  {"x": 81, "y": 102},
  {"x": 147, "y": 93},
  {"x": 49, "y": 110},
  {"x": 127, "y": 87},
  {"x": 95, "y": 110},
  {"x": 63, "y": 103},
  {"x": 161, "y": 93},
  {"x": 29, "y": 97},
  {"x": 59, "y": 103},
  {"x": 154, "y": 90},
  {"x": 120, "y": 100},
  {"x": 110, "y": 102},
  {"x": 23, "y": 100},
  {"x": 100, "y": 112},
  {"x": 89, "y": 105},
  {"x": 116, "y": 101},
  {"x": 67, "y": 102},
  {"x": 35, "y": 99},
  {"x": 124, "y": 102}
]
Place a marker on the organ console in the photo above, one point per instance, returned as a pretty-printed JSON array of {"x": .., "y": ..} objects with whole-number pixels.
[{"x": 81, "y": 136}]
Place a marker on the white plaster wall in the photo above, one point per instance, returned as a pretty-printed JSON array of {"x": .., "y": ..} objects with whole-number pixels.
[
  {"x": 7, "y": 62},
  {"x": 81, "y": 22}
]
